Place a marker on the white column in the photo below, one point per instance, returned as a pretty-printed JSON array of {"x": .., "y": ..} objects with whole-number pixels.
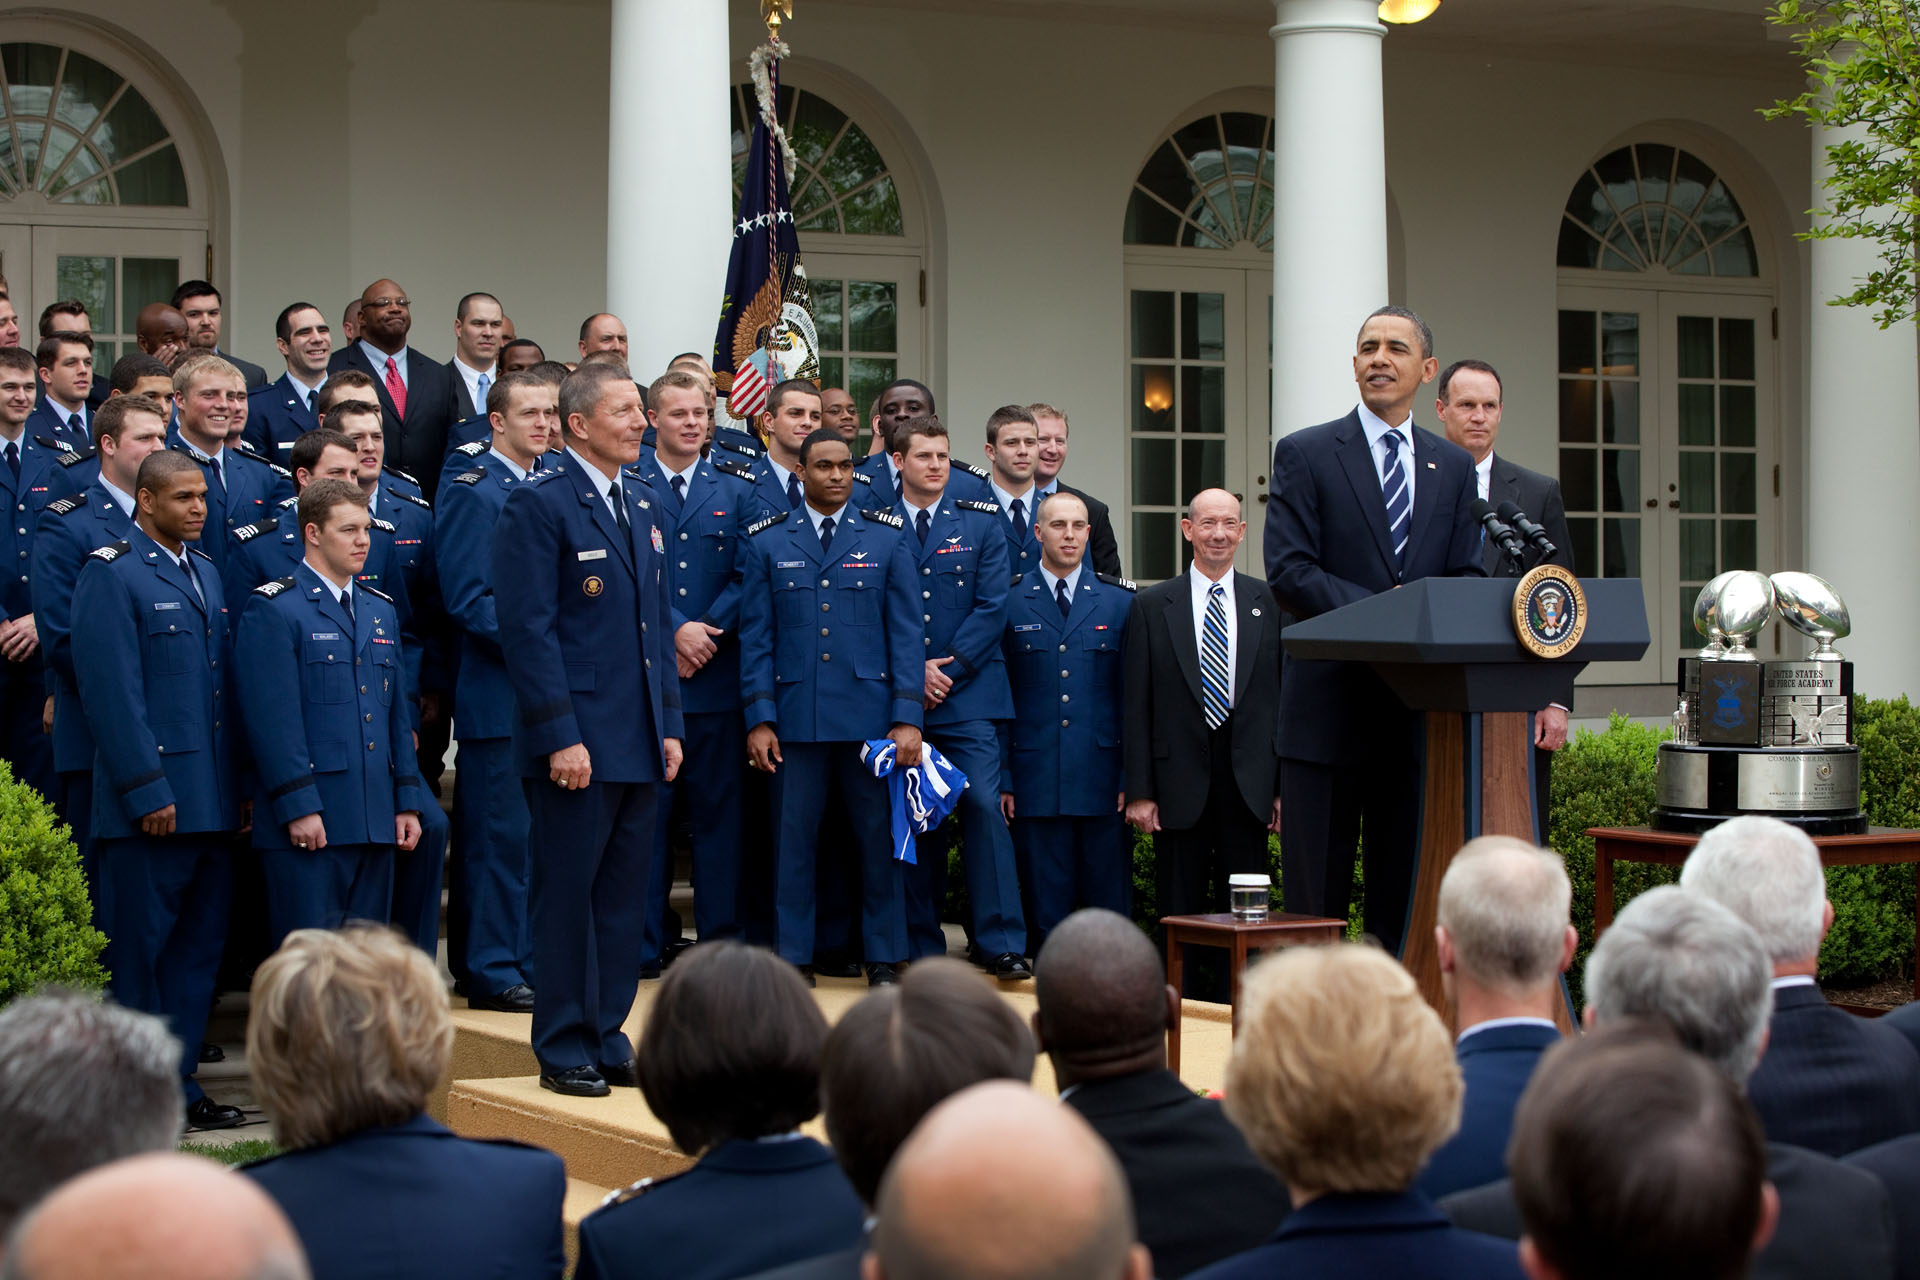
[
  {"x": 669, "y": 177},
  {"x": 1863, "y": 461},
  {"x": 1330, "y": 202}
]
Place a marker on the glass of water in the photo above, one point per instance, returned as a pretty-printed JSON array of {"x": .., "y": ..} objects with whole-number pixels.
[{"x": 1247, "y": 896}]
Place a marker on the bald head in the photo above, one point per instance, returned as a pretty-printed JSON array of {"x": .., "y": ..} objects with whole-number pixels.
[
  {"x": 148, "y": 1218},
  {"x": 1104, "y": 999},
  {"x": 949, "y": 1212},
  {"x": 160, "y": 331}
]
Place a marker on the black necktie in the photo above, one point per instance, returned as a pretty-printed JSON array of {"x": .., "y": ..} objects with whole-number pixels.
[
  {"x": 79, "y": 427},
  {"x": 346, "y": 601},
  {"x": 826, "y": 535},
  {"x": 1060, "y": 597},
  {"x": 680, "y": 489},
  {"x": 793, "y": 490},
  {"x": 193, "y": 579},
  {"x": 619, "y": 495},
  {"x": 920, "y": 523},
  {"x": 13, "y": 458},
  {"x": 1019, "y": 521}
]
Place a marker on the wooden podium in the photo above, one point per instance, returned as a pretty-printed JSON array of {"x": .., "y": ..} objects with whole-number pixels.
[{"x": 1446, "y": 647}]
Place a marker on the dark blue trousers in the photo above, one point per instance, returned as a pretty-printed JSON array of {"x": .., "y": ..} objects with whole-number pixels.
[
  {"x": 26, "y": 746},
  {"x": 709, "y": 790},
  {"x": 809, "y": 774},
  {"x": 73, "y": 801},
  {"x": 1070, "y": 863},
  {"x": 417, "y": 876},
  {"x": 589, "y": 851},
  {"x": 166, "y": 900},
  {"x": 986, "y": 852},
  {"x": 490, "y": 810},
  {"x": 325, "y": 888}
]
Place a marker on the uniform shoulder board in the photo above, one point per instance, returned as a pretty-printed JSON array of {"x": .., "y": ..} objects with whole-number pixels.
[
  {"x": 884, "y": 517},
  {"x": 248, "y": 532},
  {"x": 274, "y": 588},
  {"x": 112, "y": 551},
  {"x": 73, "y": 458},
  {"x": 761, "y": 526},
  {"x": 474, "y": 448},
  {"x": 734, "y": 469},
  {"x": 65, "y": 506},
  {"x": 378, "y": 523},
  {"x": 862, "y": 477},
  {"x": 474, "y": 476},
  {"x": 373, "y": 591},
  {"x": 48, "y": 442},
  {"x": 1114, "y": 580},
  {"x": 203, "y": 555},
  {"x": 737, "y": 440},
  {"x": 192, "y": 451},
  {"x": 276, "y": 466},
  {"x": 395, "y": 471},
  {"x": 1016, "y": 579},
  {"x": 288, "y": 504},
  {"x": 976, "y": 469},
  {"x": 639, "y": 1188},
  {"x": 246, "y": 450},
  {"x": 414, "y": 498},
  {"x": 974, "y": 504}
]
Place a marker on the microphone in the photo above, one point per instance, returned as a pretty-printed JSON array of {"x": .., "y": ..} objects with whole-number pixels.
[
  {"x": 1497, "y": 529},
  {"x": 1513, "y": 515}
]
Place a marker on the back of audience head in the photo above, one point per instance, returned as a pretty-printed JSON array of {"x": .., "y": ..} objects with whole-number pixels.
[
  {"x": 82, "y": 1083},
  {"x": 947, "y": 1210},
  {"x": 1686, "y": 1199},
  {"x": 904, "y": 1048},
  {"x": 1678, "y": 957},
  {"x": 1342, "y": 1077},
  {"x": 1503, "y": 931},
  {"x": 349, "y": 1031},
  {"x": 1768, "y": 873},
  {"x": 733, "y": 1045},
  {"x": 160, "y": 1216},
  {"x": 1104, "y": 1002}
]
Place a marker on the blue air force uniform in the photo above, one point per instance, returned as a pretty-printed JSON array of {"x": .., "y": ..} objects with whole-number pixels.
[
  {"x": 323, "y": 692},
  {"x": 1023, "y": 546},
  {"x": 277, "y": 415},
  {"x": 38, "y": 480},
  {"x": 68, "y": 531},
  {"x": 578, "y": 599},
  {"x": 964, "y": 479},
  {"x": 702, "y": 532},
  {"x": 1063, "y": 763},
  {"x": 489, "y": 804},
  {"x": 961, "y": 572},
  {"x": 150, "y": 650},
  {"x": 242, "y": 487},
  {"x": 776, "y": 491},
  {"x": 832, "y": 653}
]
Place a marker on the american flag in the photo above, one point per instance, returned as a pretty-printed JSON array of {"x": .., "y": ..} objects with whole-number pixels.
[{"x": 748, "y": 394}]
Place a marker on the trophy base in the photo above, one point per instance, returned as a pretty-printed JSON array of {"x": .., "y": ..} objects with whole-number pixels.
[{"x": 1814, "y": 788}]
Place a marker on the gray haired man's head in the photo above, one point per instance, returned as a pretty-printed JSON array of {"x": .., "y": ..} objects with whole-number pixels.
[
  {"x": 1504, "y": 908},
  {"x": 82, "y": 1083},
  {"x": 1681, "y": 958},
  {"x": 1768, "y": 873}
]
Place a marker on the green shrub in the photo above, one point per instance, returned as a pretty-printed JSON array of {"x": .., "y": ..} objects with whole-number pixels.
[{"x": 46, "y": 930}]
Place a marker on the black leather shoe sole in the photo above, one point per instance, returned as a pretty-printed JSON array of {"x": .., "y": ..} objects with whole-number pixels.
[
  {"x": 576, "y": 1082},
  {"x": 208, "y": 1114},
  {"x": 625, "y": 1075},
  {"x": 211, "y": 1052},
  {"x": 515, "y": 999},
  {"x": 1011, "y": 968},
  {"x": 882, "y": 975},
  {"x": 837, "y": 969}
]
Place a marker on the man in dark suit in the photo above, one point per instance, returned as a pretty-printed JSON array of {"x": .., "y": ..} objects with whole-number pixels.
[
  {"x": 1896, "y": 1162},
  {"x": 477, "y": 324},
  {"x": 1103, "y": 550},
  {"x": 1203, "y": 694},
  {"x": 1830, "y": 1082},
  {"x": 416, "y": 392},
  {"x": 1199, "y": 1195},
  {"x": 282, "y": 412},
  {"x": 198, "y": 302},
  {"x": 1503, "y": 940},
  {"x": 1359, "y": 506},
  {"x": 1679, "y": 958}
]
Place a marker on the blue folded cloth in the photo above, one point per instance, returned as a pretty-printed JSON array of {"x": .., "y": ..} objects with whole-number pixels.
[{"x": 920, "y": 797}]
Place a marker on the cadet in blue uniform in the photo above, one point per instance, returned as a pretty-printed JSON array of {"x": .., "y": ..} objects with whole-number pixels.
[
  {"x": 1062, "y": 783},
  {"x": 900, "y": 402},
  {"x": 491, "y": 809},
  {"x": 700, "y": 501},
  {"x": 64, "y": 382},
  {"x": 330, "y": 813},
  {"x": 272, "y": 547},
  {"x": 130, "y": 429},
  {"x": 580, "y": 591},
  {"x": 30, "y": 478},
  {"x": 241, "y": 487},
  {"x": 961, "y": 562},
  {"x": 792, "y": 414},
  {"x": 150, "y": 648},
  {"x": 832, "y": 653},
  {"x": 1013, "y": 446},
  {"x": 285, "y": 409}
]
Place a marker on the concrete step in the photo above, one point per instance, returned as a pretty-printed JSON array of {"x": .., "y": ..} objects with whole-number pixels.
[{"x": 582, "y": 1199}]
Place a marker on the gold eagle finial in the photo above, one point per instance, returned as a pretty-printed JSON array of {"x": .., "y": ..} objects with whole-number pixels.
[{"x": 773, "y": 13}]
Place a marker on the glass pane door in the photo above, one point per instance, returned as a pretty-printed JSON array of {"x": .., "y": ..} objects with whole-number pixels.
[
  {"x": 870, "y": 325},
  {"x": 1259, "y": 419},
  {"x": 114, "y": 273}
]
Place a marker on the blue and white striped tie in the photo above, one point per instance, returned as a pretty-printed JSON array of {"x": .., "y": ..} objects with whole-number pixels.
[
  {"x": 1214, "y": 684},
  {"x": 1393, "y": 486}
]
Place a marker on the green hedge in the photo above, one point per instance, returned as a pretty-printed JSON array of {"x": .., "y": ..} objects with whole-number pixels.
[{"x": 46, "y": 930}]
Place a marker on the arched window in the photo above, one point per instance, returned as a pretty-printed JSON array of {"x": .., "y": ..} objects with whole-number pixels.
[
  {"x": 1208, "y": 186},
  {"x": 75, "y": 131},
  {"x": 1651, "y": 204},
  {"x": 840, "y": 182}
]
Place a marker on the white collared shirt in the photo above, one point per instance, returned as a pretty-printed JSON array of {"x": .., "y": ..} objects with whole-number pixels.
[
  {"x": 373, "y": 499},
  {"x": 1202, "y": 586},
  {"x": 913, "y": 512},
  {"x": 1028, "y": 501},
  {"x": 839, "y": 517},
  {"x": 336, "y": 587},
  {"x": 471, "y": 376},
  {"x": 1376, "y": 428},
  {"x": 1072, "y": 580},
  {"x": 1491, "y": 1023},
  {"x": 378, "y": 359},
  {"x": 305, "y": 392},
  {"x": 1483, "y": 475},
  {"x": 119, "y": 495},
  {"x": 519, "y": 472},
  {"x": 667, "y": 474},
  {"x": 601, "y": 481},
  {"x": 1794, "y": 980}
]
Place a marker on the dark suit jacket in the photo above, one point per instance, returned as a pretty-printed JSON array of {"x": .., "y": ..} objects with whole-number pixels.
[
  {"x": 1199, "y": 1195},
  {"x": 1496, "y": 1063},
  {"x": 1539, "y": 496},
  {"x": 1906, "y": 1020},
  {"x": 1344, "y": 1234},
  {"x": 418, "y": 442},
  {"x": 1834, "y": 1221},
  {"x": 1897, "y": 1164},
  {"x": 1833, "y": 1082},
  {"x": 463, "y": 405},
  {"x": 1103, "y": 550},
  {"x": 842, "y": 1265},
  {"x": 415, "y": 1200},
  {"x": 1164, "y": 734},
  {"x": 1327, "y": 545},
  {"x": 256, "y": 376}
]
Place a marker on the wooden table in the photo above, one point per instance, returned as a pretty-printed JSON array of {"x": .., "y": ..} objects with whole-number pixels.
[
  {"x": 1878, "y": 846},
  {"x": 1237, "y": 938}
]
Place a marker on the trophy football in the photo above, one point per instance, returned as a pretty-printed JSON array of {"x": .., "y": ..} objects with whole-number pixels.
[{"x": 1772, "y": 738}]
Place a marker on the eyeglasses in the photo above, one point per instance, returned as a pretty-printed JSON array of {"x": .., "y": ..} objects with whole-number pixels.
[{"x": 384, "y": 303}]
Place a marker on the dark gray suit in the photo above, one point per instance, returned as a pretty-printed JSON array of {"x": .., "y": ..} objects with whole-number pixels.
[
  {"x": 1830, "y": 1081},
  {"x": 1897, "y": 1165}
]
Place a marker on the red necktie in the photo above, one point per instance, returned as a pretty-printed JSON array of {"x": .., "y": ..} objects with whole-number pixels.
[{"x": 396, "y": 388}]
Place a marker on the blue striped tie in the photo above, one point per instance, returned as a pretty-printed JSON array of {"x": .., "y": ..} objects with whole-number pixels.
[
  {"x": 1214, "y": 685},
  {"x": 1393, "y": 486}
]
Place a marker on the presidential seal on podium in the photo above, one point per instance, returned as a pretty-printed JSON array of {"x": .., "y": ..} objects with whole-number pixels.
[{"x": 1549, "y": 611}]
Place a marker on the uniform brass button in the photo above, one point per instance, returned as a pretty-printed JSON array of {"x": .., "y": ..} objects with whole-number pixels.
[
  {"x": 683, "y": 590},
  {"x": 369, "y": 746},
  {"x": 683, "y": 563},
  {"x": 683, "y": 538},
  {"x": 926, "y": 595},
  {"x": 826, "y": 608},
  {"x": 926, "y": 617},
  {"x": 1066, "y": 697},
  {"x": 171, "y": 627},
  {"x": 823, "y": 631},
  {"x": 1063, "y": 648},
  {"x": 369, "y": 717},
  {"x": 1065, "y": 723},
  {"x": 925, "y": 572},
  {"x": 823, "y": 582},
  {"x": 1063, "y": 675},
  {"x": 648, "y": 662},
  {"x": 363, "y": 688}
]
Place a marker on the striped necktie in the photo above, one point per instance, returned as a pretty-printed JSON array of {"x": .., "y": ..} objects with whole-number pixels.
[
  {"x": 1393, "y": 487},
  {"x": 1215, "y": 688}
]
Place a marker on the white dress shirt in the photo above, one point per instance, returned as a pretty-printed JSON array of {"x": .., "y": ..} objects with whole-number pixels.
[
  {"x": 1491, "y": 1023},
  {"x": 686, "y": 477},
  {"x": 1028, "y": 501},
  {"x": 1376, "y": 428},
  {"x": 601, "y": 481},
  {"x": 1202, "y": 586},
  {"x": 118, "y": 494},
  {"x": 839, "y": 517},
  {"x": 1073, "y": 584},
  {"x": 378, "y": 359},
  {"x": 471, "y": 376},
  {"x": 1483, "y": 475},
  {"x": 519, "y": 472}
]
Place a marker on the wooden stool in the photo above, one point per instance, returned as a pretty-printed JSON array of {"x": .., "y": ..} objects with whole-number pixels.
[{"x": 1237, "y": 937}]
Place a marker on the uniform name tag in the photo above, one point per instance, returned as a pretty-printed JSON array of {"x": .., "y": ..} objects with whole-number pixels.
[
  {"x": 324, "y": 635},
  {"x": 601, "y": 554},
  {"x": 165, "y": 604},
  {"x": 1031, "y": 626},
  {"x": 790, "y": 564}
]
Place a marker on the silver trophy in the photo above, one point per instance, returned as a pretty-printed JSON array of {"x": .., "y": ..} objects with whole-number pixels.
[
  {"x": 1705, "y": 616},
  {"x": 1741, "y": 608},
  {"x": 1812, "y": 607}
]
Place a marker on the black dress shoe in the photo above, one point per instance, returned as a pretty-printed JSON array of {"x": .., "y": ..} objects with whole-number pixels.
[
  {"x": 517, "y": 998},
  {"x": 673, "y": 948},
  {"x": 211, "y": 1052},
  {"x": 837, "y": 968},
  {"x": 625, "y": 1074},
  {"x": 208, "y": 1114},
  {"x": 576, "y": 1082},
  {"x": 1011, "y": 967},
  {"x": 978, "y": 958},
  {"x": 806, "y": 974},
  {"x": 882, "y": 975},
  {"x": 650, "y": 972}
]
